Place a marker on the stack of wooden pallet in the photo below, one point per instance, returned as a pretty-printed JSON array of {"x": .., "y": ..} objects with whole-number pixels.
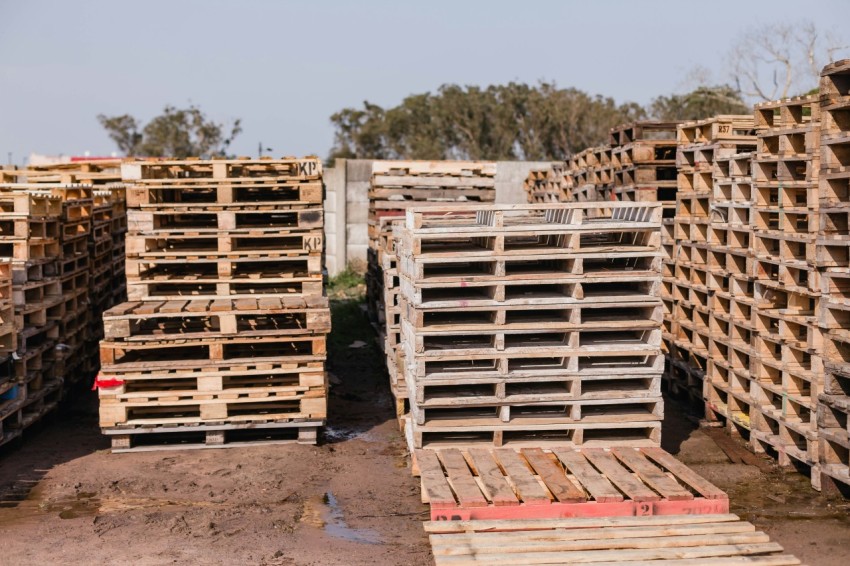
[
  {"x": 10, "y": 400},
  {"x": 102, "y": 285},
  {"x": 730, "y": 272},
  {"x": 549, "y": 185},
  {"x": 532, "y": 324},
  {"x": 589, "y": 176},
  {"x": 644, "y": 163},
  {"x": 30, "y": 223},
  {"x": 74, "y": 270},
  {"x": 786, "y": 363},
  {"x": 700, "y": 143},
  {"x": 833, "y": 257},
  {"x": 224, "y": 337},
  {"x": 396, "y": 186}
]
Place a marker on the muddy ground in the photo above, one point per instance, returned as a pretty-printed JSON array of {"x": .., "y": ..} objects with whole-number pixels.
[{"x": 349, "y": 501}]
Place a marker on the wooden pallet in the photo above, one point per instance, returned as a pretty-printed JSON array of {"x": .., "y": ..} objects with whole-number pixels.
[
  {"x": 532, "y": 483},
  {"x": 189, "y": 319},
  {"x": 189, "y": 171},
  {"x": 718, "y": 539},
  {"x": 147, "y": 195},
  {"x": 205, "y": 436},
  {"x": 230, "y": 245}
]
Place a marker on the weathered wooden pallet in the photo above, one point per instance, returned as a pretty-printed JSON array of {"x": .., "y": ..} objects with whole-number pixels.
[
  {"x": 475, "y": 413},
  {"x": 163, "y": 353},
  {"x": 272, "y": 243},
  {"x": 189, "y": 170},
  {"x": 718, "y": 128},
  {"x": 709, "y": 540},
  {"x": 257, "y": 431},
  {"x": 174, "y": 407},
  {"x": 627, "y": 312},
  {"x": 534, "y": 434},
  {"x": 532, "y": 483},
  {"x": 143, "y": 321},
  {"x": 644, "y": 131},
  {"x": 203, "y": 220},
  {"x": 260, "y": 192},
  {"x": 16, "y": 199},
  {"x": 435, "y": 168}
]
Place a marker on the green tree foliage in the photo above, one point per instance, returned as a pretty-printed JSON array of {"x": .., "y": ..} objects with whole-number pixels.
[
  {"x": 513, "y": 121},
  {"x": 703, "y": 102},
  {"x": 175, "y": 133}
]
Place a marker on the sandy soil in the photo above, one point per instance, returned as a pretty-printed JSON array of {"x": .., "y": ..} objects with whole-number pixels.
[{"x": 350, "y": 501}]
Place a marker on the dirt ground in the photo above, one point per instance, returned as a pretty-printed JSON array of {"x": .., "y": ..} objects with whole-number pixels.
[{"x": 64, "y": 498}]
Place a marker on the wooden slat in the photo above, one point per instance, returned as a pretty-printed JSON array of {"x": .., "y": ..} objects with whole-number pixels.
[
  {"x": 498, "y": 489},
  {"x": 461, "y": 479},
  {"x": 148, "y": 307},
  {"x": 434, "y": 479},
  {"x": 599, "y": 487},
  {"x": 685, "y": 474},
  {"x": 619, "y": 555},
  {"x": 553, "y": 476},
  {"x": 526, "y": 485},
  {"x": 555, "y": 543},
  {"x": 574, "y": 523},
  {"x": 652, "y": 475},
  {"x": 198, "y": 306},
  {"x": 604, "y": 533},
  {"x": 171, "y": 307},
  {"x": 620, "y": 476}
]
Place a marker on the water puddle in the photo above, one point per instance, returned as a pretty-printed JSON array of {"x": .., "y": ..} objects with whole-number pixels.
[
  {"x": 338, "y": 434},
  {"x": 324, "y": 513}
]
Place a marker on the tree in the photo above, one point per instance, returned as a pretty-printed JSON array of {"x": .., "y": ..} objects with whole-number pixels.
[
  {"x": 702, "y": 102},
  {"x": 775, "y": 61},
  {"x": 513, "y": 121},
  {"x": 178, "y": 133}
]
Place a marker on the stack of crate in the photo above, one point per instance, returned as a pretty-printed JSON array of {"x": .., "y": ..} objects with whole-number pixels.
[
  {"x": 31, "y": 237},
  {"x": 696, "y": 276},
  {"x": 532, "y": 324},
  {"x": 549, "y": 185},
  {"x": 730, "y": 270},
  {"x": 224, "y": 337},
  {"x": 396, "y": 186},
  {"x": 786, "y": 359},
  {"x": 833, "y": 257}
]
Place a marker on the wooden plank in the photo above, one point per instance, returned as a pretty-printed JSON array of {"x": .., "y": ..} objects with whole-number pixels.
[
  {"x": 685, "y": 474},
  {"x": 171, "y": 307},
  {"x": 595, "y": 483},
  {"x": 498, "y": 489},
  {"x": 524, "y": 482},
  {"x": 434, "y": 479},
  {"x": 553, "y": 476},
  {"x": 461, "y": 479},
  {"x": 555, "y": 543},
  {"x": 652, "y": 475},
  {"x": 148, "y": 307},
  {"x": 619, "y": 476},
  {"x": 618, "y": 556},
  {"x": 601, "y": 533},
  {"x": 574, "y": 523}
]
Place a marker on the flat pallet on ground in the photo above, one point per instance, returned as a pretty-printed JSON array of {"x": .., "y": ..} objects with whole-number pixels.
[{"x": 680, "y": 540}]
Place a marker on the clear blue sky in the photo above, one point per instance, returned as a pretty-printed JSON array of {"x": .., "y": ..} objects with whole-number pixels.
[{"x": 285, "y": 66}]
